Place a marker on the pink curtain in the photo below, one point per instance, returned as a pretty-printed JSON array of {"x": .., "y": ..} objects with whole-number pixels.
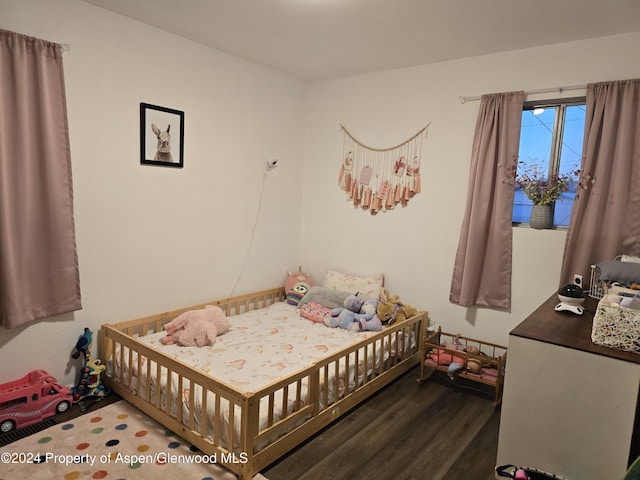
[
  {"x": 605, "y": 220},
  {"x": 38, "y": 262},
  {"x": 482, "y": 270}
]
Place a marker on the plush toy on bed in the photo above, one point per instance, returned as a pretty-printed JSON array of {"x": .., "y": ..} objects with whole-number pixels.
[
  {"x": 345, "y": 317},
  {"x": 391, "y": 309},
  {"x": 296, "y": 286},
  {"x": 295, "y": 294},
  {"x": 196, "y": 327},
  {"x": 368, "y": 319}
]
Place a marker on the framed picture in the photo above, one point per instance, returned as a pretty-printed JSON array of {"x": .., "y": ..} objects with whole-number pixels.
[{"x": 161, "y": 136}]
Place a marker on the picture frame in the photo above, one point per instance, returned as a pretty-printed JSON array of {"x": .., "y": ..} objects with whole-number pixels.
[{"x": 161, "y": 136}]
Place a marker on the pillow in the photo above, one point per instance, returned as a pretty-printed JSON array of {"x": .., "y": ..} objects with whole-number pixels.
[
  {"x": 368, "y": 287},
  {"x": 315, "y": 312},
  {"x": 613, "y": 270},
  {"x": 325, "y": 297}
]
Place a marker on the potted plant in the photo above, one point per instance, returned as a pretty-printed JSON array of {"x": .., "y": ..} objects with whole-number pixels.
[{"x": 543, "y": 189}]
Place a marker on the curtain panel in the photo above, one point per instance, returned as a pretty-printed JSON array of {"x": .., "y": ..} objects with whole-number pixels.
[
  {"x": 605, "y": 220},
  {"x": 482, "y": 269},
  {"x": 39, "y": 274}
]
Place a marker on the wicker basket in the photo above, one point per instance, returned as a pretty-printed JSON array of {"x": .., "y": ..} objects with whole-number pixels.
[{"x": 616, "y": 327}]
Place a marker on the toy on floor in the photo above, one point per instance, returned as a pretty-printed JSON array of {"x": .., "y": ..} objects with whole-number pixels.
[
  {"x": 90, "y": 384},
  {"x": 31, "y": 399},
  {"x": 196, "y": 328}
]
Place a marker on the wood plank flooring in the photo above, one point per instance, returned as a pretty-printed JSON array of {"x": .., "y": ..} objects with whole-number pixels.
[{"x": 434, "y": 431}]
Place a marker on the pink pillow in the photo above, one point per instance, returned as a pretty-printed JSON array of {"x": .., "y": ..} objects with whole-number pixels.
[{"x": 315, "y": 312}]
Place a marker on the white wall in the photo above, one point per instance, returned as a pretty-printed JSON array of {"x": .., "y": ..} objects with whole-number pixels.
[
  {"x": 152, "y": 238},
  {"x": 415, "y": 246}
]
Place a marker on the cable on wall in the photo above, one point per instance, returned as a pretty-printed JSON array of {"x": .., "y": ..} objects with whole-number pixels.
[{"x": 270, "y": 166}]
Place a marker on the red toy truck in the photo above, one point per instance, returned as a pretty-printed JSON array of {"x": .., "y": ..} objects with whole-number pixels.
[{"x": 31, "y": 399}]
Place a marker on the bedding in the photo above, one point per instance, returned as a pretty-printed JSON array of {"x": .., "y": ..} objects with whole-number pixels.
[
  {"x": 368, "y": 286},
  {"x": 262, "y": 347},
  {"x": 327, "y": 297},
  {"x": 280, "y": 343},
  {"x": 315, "y": 312},
  {"x": 266, "y": 396}
]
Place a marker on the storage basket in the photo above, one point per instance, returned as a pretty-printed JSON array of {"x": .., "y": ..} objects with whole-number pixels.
[
  {"x": 616, "y": 327},
  {"x": 599, "y": 288}
]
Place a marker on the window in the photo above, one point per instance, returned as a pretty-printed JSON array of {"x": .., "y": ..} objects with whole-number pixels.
[{"x": 551, "y": 135}]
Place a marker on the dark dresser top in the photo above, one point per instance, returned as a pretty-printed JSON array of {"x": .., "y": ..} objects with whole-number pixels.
[{"x": 567, "y": 329}]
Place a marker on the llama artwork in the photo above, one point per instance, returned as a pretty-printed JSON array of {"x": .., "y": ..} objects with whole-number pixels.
[{"x": 163, "y": 153}]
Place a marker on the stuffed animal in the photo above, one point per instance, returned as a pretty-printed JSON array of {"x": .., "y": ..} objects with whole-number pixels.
[
  {"x": 391, "y": 309},
  {"x": 296, "y": 286},
  {"x": 345, "y": 317},
  {"x": 296, "y": 293},
  {"x": 368, "y": 319},
  {"x": 196, "y": 327}
]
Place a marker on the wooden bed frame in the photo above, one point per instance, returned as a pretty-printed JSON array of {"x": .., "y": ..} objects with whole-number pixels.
[{"x": 253, "y": 448}]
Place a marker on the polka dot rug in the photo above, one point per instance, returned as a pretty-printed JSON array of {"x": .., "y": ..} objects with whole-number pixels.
[{"x": 116, "y": 442}]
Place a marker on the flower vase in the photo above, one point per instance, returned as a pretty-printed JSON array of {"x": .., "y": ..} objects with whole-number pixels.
[{"x": 541, "y": 217}]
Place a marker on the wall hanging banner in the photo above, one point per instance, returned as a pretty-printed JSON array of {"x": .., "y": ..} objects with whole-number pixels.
[{"x": 378, "y": 179}]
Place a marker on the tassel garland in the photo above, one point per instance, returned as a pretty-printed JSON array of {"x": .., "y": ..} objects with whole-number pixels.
[{"x": 379, "y": 179}]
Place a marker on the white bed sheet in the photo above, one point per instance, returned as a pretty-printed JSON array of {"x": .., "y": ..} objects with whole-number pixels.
[{"x": 261, "y": 347}]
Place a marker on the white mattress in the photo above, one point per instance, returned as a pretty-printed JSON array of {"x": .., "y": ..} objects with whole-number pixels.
[{"x": 261, "y": 347}]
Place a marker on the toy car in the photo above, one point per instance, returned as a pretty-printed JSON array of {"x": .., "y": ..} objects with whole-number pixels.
[{"x": 31, "y": 399}]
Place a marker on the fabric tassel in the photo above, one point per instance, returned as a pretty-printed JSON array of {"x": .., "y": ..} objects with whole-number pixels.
[
  {"x": 374, "y": 204},
  {"x": 383, "y": 191},
  {"x": 418, "y": 185},
  {"x": 341, "y": 175},
  {"x": 396, "y": 195},
  {"x": 366, "y": 203},
  {"x": 405, "y": 196},
  {"x": 347, "y": 183},
  {"x": 389, "y": 202}
]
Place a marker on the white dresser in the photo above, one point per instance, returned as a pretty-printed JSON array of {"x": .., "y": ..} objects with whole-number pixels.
[{"x": 570, "y": 407}]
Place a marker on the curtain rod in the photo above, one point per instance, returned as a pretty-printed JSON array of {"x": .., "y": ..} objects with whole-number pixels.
[{"x": 530, "y": 92}]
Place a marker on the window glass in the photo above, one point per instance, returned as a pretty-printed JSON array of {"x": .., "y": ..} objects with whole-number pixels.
[{"x": 551, "y": 137}]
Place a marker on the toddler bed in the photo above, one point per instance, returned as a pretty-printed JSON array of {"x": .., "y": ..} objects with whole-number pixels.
[{"x": 265, "y": 386}]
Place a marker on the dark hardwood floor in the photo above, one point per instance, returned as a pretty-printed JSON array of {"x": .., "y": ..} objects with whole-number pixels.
[{"x": 434, "y": 431}]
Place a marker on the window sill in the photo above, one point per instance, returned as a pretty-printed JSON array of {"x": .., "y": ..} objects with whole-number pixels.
[{"x": 561, "y": 228}]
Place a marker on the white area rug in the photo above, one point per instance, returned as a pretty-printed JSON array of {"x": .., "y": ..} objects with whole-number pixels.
[{"x": 117, "y": 442}]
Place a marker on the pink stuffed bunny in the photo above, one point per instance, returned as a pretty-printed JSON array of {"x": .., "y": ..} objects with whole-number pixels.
[{"x": 196, "y": 327}]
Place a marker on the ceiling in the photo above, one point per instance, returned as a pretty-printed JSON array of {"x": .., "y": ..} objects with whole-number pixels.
[{"x": 321, "y": 39}]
